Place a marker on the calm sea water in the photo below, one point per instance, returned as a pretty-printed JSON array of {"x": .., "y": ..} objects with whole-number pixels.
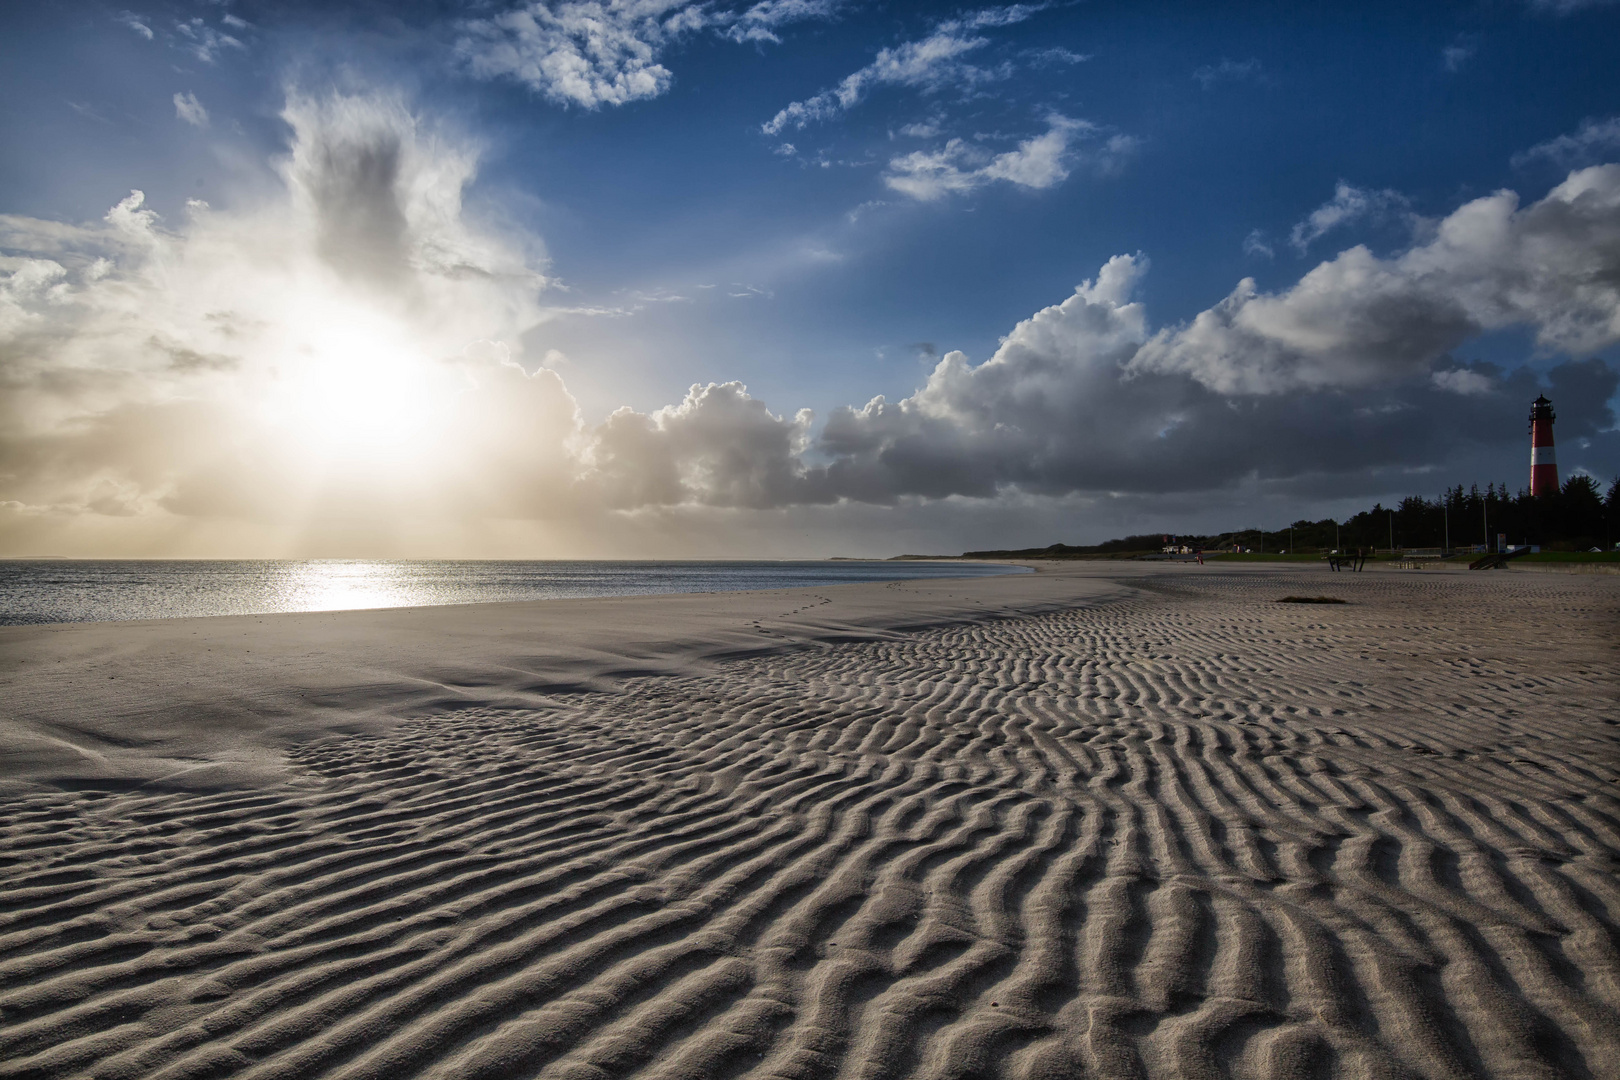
[{"x": 74, "y": 590}]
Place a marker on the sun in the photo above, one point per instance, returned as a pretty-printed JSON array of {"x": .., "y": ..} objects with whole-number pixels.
[{"x": 356, "y": 387}]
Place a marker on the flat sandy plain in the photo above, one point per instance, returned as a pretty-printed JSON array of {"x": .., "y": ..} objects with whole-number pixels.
[{"x": 1100, "y": 821}]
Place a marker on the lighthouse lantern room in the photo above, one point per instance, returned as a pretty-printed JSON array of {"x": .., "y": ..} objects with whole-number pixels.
[{"x": 1543, "y": 459}]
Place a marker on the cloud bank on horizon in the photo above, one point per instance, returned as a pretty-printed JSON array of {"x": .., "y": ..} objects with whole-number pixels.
[{"x": 352, "y": 359}]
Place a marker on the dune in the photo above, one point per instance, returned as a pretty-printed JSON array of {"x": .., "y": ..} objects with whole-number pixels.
[{"x": 1099, "y": 821}]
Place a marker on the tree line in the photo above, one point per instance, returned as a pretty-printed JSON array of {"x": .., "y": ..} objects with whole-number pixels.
[{"x": 1578, "y": 516}]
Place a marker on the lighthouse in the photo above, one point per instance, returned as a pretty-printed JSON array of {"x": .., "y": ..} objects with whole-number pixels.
[{"x": 1543, "y": 459}]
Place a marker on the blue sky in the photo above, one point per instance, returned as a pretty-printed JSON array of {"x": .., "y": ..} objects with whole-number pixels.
[{"x": 819, "y": 201}]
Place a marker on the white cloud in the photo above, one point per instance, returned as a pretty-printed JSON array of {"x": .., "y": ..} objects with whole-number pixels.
[
  {"x": 926, "y": 129},
  {"x": 1358, "y": 320},
  {"x": 1228, "y": 71},
  {"x": 26, "y": 285},
  {"x": 133, "y": 21},
  {"x": 1463, "y": 381},
  {"x": 718, "y": 447},
  {"x": 204, "y": 42},
  {"x": 588, "y": 54},
  {"x": 85, "y": 110},
  {"x": 932, "y": 174},
  {"x": 929, "y": 63},
  {"x": 1058, "y": 55},
  {"x": 1455, "y": 55},
  {"x": 1007, "y": 15},
  {"x": 1591, "y": 142},
  {"x": 607, "y": 52},
  {"x": 1040, "y": 162},
  {"x": 759, "y": 23},
  {"x": 1349, "y": 204},
  {"x": 1255, "y": 244},
  {"x": 189, "y": 109},
  {"x": 1114, "y": 153}
]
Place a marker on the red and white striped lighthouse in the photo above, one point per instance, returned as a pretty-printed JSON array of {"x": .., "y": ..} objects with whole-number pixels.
[{"x": 1543, "y": 459}]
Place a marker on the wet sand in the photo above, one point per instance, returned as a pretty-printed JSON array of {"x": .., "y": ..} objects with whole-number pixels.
[{"x": 1107, "y": 821}]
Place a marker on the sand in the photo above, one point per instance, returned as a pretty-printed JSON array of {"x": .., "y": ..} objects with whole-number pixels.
[{"x": 1103, "y": 821}]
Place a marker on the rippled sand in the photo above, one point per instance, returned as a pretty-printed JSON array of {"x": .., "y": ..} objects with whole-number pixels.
[{"x": 1173, "y": 829}]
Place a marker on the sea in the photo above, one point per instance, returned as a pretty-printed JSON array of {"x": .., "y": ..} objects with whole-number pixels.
[{"x": 109, "y": 590}]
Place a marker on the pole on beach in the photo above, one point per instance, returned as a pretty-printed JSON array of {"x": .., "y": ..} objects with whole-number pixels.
[
  {"x": 1392, "y": 532},
  {"x": 1445, "y": 516}
]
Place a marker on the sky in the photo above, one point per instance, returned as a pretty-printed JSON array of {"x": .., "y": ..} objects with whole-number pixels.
[{"x": 793, "y": 278}]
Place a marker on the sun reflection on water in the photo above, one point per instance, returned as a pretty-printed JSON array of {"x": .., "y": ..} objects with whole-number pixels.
[
  {"x": 91, "y": 590},
  {"x": 345, "y": 586}
]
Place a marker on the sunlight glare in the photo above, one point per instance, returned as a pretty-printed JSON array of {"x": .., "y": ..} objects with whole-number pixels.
[
  {"x": 344, "y": 585},
  {"x": 356, "y": 386}
]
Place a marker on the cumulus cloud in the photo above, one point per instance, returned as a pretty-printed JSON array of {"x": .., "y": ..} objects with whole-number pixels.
[
  {"x": 607, "y": 52},
  {"x": 929, "y": 63},
  {"x": 1055, "y": 413},
  {"x": 189, "y": 109},
  {"x": 1359, "y": 320},
  {"x": 1036, "y": 163},
  {"x": 719, "y": 447},
  {"x": 1591, "y": 142}
]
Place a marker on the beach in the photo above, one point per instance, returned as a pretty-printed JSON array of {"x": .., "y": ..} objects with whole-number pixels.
[{"x": 1104, "y": 820}]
